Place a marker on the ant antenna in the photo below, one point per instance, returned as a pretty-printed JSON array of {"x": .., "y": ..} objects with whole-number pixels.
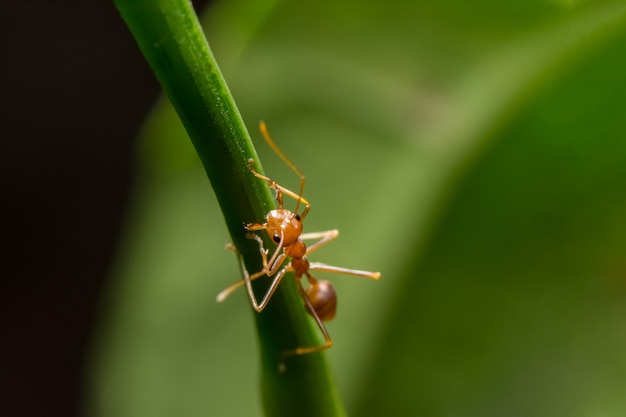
[{"x": 282, "y": 156}]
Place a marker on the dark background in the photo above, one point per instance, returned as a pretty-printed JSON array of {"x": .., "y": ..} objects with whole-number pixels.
[{"x": 75, "y": 90}]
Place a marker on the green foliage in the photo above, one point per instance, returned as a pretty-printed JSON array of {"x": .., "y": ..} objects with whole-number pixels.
[{"x": 474, "y": 154}]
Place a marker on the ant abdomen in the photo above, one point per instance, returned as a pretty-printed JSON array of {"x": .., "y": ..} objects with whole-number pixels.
[{"x": 323, "y": 298}]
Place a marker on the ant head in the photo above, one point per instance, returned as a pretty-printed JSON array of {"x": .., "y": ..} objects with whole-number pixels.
[
  {"x": 284, "y": 223},
  {"x": 323, "y": 298}
]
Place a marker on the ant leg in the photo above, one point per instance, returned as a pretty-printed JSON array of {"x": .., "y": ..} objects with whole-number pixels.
[
  {"x": 275, "y": 262},
  {"x": 278, "y": 257},
  {"x": 248, "y": 281},
  {"x": 318, "y": 321},
  {"x": 262, "y": 249},
  {"x": 316, "y": 266},
  {"x": 254, "y": 227},
  {"x": 231, "y": 288},
  {"x": 324, "y": 237}
]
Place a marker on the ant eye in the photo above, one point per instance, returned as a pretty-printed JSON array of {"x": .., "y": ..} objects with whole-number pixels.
[
  {"x": 297, "y": 216},
  {"x": 276, "y": 238}
]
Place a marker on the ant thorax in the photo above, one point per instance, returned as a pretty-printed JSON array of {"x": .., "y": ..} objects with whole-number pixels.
[
  {"x": 285, "y": 223},
  {"x": 297, "y": 251}
]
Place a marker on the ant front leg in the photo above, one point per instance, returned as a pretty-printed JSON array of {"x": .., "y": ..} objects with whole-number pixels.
[
  {"x": 278, "y": 257},
  {"x": 260, "y": 306},
  {"x": 247, "y": 279},
  {"x": 231, "y": 288}
]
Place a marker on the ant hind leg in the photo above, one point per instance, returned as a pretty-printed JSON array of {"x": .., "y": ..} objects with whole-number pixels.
[{"x": 311, "y": 309}]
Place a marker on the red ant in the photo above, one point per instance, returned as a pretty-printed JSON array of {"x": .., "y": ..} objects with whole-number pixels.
[{"x": 285, "y": 228}]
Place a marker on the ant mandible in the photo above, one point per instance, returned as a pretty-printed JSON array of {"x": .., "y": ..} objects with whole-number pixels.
[{"x": 285, "y": 229}]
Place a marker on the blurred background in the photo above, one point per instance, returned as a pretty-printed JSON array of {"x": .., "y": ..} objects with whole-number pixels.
[
  {"x": 75, "y": 90},
  {"x": 474, "y": 154}
]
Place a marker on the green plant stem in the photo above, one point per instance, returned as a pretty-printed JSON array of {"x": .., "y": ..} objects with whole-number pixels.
[{"x": 171, "y": 39}]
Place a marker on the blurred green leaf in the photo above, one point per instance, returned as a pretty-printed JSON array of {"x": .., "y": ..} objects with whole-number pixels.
[
  {"x": 518, "y": 303},
  {"x": 474, "y": 154}
]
